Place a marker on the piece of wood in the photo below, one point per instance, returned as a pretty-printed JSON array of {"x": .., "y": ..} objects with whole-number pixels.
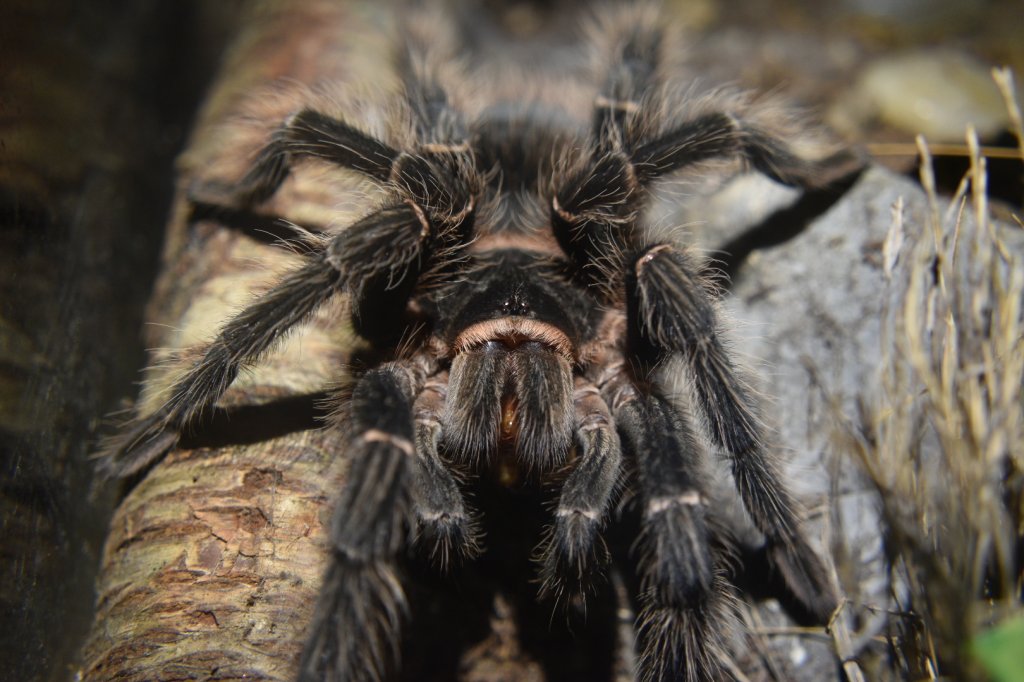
[{"x": 213, "y": 561}]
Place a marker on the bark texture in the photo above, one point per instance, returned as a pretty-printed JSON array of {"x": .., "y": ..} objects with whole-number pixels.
[{"x": 213, "y": 560}]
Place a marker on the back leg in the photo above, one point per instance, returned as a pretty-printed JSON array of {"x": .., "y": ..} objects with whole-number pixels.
[
  {"x": 429, "y": 56},
  {"x": 641, "y": 113},
  {"x": 385, "y": 246},
  {"x": 629, "y": 47},
  {"x": 438, "y": 128},
  {"x": 644, "y": 131},
  {"x": 312, "y": 134},
  {"x": 243, "y": 339}
]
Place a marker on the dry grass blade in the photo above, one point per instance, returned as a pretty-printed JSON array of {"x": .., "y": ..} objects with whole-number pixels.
[{"x": 942, "y": 439}]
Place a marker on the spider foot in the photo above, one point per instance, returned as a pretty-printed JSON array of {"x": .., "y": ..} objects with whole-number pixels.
[
  {"x": 572, "y": 558},
  {"x": 806, "y": 579},
  {"x": 134, "y": 449},
  {"x": 449, "y": 537}
]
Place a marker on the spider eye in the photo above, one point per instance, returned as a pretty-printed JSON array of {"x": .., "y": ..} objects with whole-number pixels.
[
  {"x": 512, "y": 283},
  {"x": 515, "y": 305}
]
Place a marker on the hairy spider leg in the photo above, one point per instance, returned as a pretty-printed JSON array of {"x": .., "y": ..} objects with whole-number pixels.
[
  {"x": 310, "y": 133},
  {"x": 671, "y": 312},
  {"x": 336, "y": 265},
  {"x": 632, "y": 61},
  {"x": 727, "y": 135},
  {"x": 246, "y": 337},
  {"x": 574, "y": 551},
  {"x": 355, "y": 632},
  {"x": 437, "y": 122},
  {"x": 681, "y": 612}
]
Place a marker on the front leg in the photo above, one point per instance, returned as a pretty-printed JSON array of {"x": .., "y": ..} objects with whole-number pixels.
[
  {"x": 682, "y": 602},
  {"x": 671, "y": 309},
  {"x": 356, "y": 629}
]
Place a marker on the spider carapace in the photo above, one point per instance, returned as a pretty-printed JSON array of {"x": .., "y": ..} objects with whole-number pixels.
[{"x": 526, "y": 310}]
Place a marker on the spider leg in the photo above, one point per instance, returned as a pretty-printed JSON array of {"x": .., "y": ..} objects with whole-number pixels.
[
  {"x": 632, "y": 51},
  {"x": 681, "y": 603},
  {"x": 310, "y": 133},
  {"x": 671, "y": 311},
  {"x": 244, "y": 338},
  {"x": 728, "y": 135},
  {"x": 313, "y": 134},
  {"x": 633, "y": 114},
  {"x": 445, "y": 524},
  {"x": 437, "y": 121},
  {"x": 355, "y": 632},
  {"x": 383, "y": 247},
  {"x": 638, "y": 138},
  {"x": 438, "y": 178},
  {"x": 574, "y": 550},
  {"x": 595, "y": 207}
]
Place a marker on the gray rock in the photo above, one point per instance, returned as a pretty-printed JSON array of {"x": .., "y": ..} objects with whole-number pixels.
[
  {"x": 811, "y": 315},
  {"x": 806, "y": 317}
]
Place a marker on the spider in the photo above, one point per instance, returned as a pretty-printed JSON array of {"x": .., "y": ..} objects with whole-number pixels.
[{"x": 524, "y": 311}]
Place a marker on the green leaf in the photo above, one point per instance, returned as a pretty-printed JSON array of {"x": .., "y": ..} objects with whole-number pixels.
[{"x": 1000, "y": 650}]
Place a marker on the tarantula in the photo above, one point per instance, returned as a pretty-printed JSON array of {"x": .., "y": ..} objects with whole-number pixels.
[{"x": 524, "y": 309}]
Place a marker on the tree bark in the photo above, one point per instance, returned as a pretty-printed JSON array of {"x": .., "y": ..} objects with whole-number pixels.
[{"x": 213, "y": 560}]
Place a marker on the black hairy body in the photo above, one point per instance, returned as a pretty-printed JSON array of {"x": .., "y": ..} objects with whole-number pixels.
[{"x": 523, "y": 310}]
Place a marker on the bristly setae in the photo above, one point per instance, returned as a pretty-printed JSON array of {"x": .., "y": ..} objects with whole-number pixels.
[{"x": 524, "y": 309}]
